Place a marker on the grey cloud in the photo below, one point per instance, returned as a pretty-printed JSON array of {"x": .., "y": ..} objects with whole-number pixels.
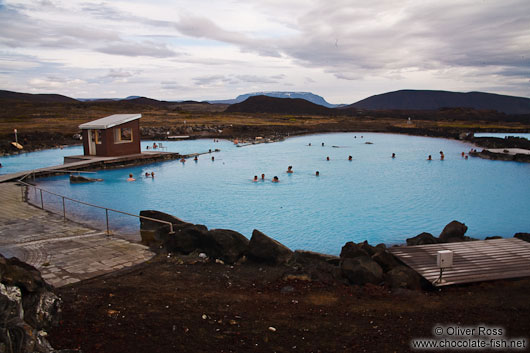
[
  {"x": 236, "y": 79},
  {"x": 259, "y": 79},
  {"x": 21, "y": 30},
  {"x": 211, "y": 79},
  {"x": 353, "y": 39},
  {"x": 117, "y": 74},
  {"x": 172, "y": 85},
  {"x": 107, "y": 12},
  {"x": 150, "y": 49},
  {"x": 200, "y": 27}
]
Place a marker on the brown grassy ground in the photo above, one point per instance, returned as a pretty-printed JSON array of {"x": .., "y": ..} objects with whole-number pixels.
[{"x": 65, "y": 118}]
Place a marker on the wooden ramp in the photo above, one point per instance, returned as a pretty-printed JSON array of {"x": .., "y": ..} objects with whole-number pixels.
[{"x": 473, "y": 261}]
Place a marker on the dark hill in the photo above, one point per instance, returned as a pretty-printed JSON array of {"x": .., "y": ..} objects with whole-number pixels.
[
  {"x": 7, "y": 96},
  {"x": 145, "y": 101},
  {"x": 265, "y": 104},
  {"x": 308, "y": 96},
  {"x": 433, "y": 100}
]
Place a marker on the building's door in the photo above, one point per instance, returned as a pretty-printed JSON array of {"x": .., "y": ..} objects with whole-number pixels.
[{"x": 92, "y": 142}]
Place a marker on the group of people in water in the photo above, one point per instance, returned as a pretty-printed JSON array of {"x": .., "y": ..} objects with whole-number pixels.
[
  {"x": 275, "y": 179},
  {"x": 147, "y": 175},
  {"x": 442, "y": 156},
  {"x": 155, "y": 146}
]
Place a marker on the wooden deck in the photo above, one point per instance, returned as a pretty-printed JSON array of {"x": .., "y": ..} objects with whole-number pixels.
[
  {"x": 473, "y": 261},
  {"x": 95, "y": 163}
]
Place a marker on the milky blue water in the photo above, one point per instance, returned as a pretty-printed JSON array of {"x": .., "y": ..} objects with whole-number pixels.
[
  {"x": 372, "y": 197},
  {"x": 38, "y": 159}
]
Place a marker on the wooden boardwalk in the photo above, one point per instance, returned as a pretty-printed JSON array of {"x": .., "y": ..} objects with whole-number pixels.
[
  {"x": 96, "y": 163},
  {"x": 473, "y": 261}
]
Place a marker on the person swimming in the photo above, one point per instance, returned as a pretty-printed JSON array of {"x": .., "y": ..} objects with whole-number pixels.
[
  {"x": 255, "y": 178},
  {"x": 152, "y": 174},
  {"x": 350, "y": 158},
  {"x": 262, "y": 176},
  {"x": 147, "y": 174},
  {"x": 213, "y": 158},
  {"x": 290, "y": 169},
  {"x": 317, "y": 173},
  {"x": 131, "y": 178},
  {"x": 195, "y": 159},
  {"x": 309, "y": 144},
  {"x": 322, "y": 144},
  {"x": 463, "y": 154},
  {"x": 327, "y": 158},
  {"x": 393, "y": 155},
  {"x": 429, "y": 158},
  {"x": 183, "y": 160},
  {"x": 275, "y": 180}
]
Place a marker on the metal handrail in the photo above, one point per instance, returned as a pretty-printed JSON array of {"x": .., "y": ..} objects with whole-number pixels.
[{"x": 92, "y": 205}]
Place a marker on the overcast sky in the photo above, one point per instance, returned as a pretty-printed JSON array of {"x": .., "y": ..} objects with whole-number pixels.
[{"x": 343, "y": 50}]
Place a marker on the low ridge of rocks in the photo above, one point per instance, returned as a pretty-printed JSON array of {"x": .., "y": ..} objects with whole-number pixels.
[{"x": 358, "y": 264}]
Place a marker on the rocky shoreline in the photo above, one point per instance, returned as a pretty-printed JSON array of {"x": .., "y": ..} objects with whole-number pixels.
[{"x": 358, "y": 264}]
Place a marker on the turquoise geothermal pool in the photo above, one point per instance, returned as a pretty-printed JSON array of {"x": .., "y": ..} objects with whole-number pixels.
[{"x": 373, "y": 197}]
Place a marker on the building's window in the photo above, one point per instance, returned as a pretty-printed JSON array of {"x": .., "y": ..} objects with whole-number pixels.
[
  {"x": 123, "y": 134},
  {"x": 96, "y": 136}
]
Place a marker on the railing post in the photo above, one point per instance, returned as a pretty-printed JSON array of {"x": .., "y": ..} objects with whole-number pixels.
[
  {"x": 64, "y": 210},
  {"x": 41, "y": 200},
  {"x": 107, "y": 216}
]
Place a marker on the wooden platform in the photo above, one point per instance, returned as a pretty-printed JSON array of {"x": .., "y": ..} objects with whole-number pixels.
[
  {"x": 95, "y": 163},
  {"x": 473, "y": 261}
]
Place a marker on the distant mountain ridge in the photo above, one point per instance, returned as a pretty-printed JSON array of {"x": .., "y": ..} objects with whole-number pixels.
[
  {"x": 35, "y": 98},
  {"x": 403, "y": 100},
  {"x": 308, "y": 96},
  {"x": 434, "y": 100}
]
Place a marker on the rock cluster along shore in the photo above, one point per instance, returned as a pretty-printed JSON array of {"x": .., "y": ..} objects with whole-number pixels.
[
  {"x": 358, "y": 264},
  {"x": 498, "y": 143},
  {"x": 452, "y": 233},
  {"x": 28, "y": 308},
  {"x": 517, "y": 157}
]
